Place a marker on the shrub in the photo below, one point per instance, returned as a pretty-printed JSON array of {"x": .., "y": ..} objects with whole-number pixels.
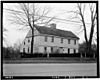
[
  {"x": 10, "y": 53},
  {"x": 26, "y": 55}
]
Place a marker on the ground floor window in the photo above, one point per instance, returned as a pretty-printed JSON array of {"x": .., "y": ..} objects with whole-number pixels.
[
  {"x": 28, "y": 49},
  {"x": 23, "y": 50},
  {"x": 68, "y": 51},
  {"x": 74, "y": 51},
  {"x": 51, "y": 49},
  {"x": 45, "y": 49}
]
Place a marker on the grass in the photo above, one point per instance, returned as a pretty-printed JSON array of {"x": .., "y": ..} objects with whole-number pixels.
[{"x": 52, "y": 60}]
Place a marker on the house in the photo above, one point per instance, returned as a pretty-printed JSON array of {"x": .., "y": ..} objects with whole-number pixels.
[{"x": 50, "y": 40}]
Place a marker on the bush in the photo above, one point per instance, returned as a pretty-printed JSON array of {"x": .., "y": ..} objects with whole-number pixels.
[
  {"x": 65, "y": 55},
  {"x": 10, "y": 53},
  {"x": 26, "y": 55}
]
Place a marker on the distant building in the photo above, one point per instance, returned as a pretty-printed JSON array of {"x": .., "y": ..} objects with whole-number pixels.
[{"x": 50, "y": 40}]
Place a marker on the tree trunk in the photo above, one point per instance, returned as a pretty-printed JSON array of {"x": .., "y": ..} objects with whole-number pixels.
[
  {"x": 32, "y": 41},
  {"x": 89, "y": 48},
  {"x": 85, "y": 54},
  {"x": 94, "y": 56}
]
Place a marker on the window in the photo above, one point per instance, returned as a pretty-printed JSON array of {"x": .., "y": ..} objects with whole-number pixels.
[
  {"x": 45, "y": 38},
  {"x": 51, "y": 49},
  {"x": 28, "y": 49},
  {"x": 68, "y": 50},
  {"x": 52, "y": 39},
  {"x": 74, "y": 51},
  {"x": 74, "y": 41},
  {"x": 45, "y": 49},
  {"x": 68, "y": 41},
  {"x": 61, "y": 47},
  {"x": 24, "y": 43},
  {"x": 28, "y": 40},
  {"x": 61, "y": 40},
  {"x": 23, "y": 50}
]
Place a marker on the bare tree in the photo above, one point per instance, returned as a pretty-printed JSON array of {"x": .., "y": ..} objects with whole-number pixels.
[
  {"x": 29, "y": 14},
  {"x": 80, "y": 15},
  {"x": 17, "y": 44},
  {"x": 4, "y": 35}
]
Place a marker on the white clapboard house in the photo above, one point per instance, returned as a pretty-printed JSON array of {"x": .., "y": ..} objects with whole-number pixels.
[{"x": 50, "y": 40}]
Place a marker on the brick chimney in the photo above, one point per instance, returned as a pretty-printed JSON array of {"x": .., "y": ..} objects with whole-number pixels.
[{"x": 53, "y": 26}]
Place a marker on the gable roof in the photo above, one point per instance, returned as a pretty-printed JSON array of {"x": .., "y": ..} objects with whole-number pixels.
[{"x": 55, "y": 32}]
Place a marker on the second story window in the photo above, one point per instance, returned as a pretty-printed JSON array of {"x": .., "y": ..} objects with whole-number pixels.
[
  {"x": 45, "y": 38},
  {"x": 68, "y": 41},
  {"x": 61, "y": 40},
  {"x": 74, "y": 41},
  {"x": 52, "y": 39}
]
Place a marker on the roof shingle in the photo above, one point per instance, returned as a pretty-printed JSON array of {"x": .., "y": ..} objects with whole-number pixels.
[{"x": 56, "y": 32}]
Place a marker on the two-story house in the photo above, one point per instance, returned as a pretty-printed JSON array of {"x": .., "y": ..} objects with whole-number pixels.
[{"x": 50, "y": 40}]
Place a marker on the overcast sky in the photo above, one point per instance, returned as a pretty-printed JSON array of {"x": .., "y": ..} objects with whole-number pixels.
[{"x": 59, "y": 10}]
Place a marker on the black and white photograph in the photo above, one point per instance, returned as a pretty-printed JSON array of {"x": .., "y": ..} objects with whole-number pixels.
[{"x": 53, "y": 40}]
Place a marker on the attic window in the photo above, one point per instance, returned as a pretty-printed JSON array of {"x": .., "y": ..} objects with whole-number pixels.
[{"x": 24, "y": 43}]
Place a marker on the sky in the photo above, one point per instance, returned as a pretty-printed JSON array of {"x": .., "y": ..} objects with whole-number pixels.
[{"x": 59, "y": 10}]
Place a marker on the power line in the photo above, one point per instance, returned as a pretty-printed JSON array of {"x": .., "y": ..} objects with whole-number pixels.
[{"x": 65, "y": 20}]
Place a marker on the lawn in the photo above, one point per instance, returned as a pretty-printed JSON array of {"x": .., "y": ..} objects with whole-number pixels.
[{"x": 52, "y": 60}]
